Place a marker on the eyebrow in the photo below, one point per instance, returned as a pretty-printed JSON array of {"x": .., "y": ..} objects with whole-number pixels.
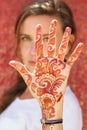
[{"x": 22, "y": 34}]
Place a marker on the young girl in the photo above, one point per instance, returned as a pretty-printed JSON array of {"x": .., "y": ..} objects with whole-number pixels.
[{"x": 22, "y": 111}]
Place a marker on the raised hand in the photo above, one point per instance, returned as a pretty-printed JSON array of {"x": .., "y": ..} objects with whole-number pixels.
[{"x": 48, "y": 81}]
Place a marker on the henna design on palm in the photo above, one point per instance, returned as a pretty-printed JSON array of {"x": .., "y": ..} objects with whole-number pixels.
[{"x": 48, "y": 81}]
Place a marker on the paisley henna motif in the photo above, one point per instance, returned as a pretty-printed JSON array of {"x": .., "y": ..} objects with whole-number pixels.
[
  {"x": 51, "y": 42},
  {"x": 64, "y": 43},
  {"x": 48, "y": 112},
  {"x": 39, "y": 45},
  {"x": 74, "y": 55},
  {"x": 48, "y": 81}
]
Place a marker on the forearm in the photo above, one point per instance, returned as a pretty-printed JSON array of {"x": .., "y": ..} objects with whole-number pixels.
[
  {"x": 52, "y": 127},
  {"x": 53, "y": 115}
]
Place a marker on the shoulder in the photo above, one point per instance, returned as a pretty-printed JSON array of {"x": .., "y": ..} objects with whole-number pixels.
[
  {"x": 7, "y": 123},
  {"x": 70, "y": 99},
  {"x": 12, "y": 118},
  {"x": 11, "y": 109},
  {"x": 72, "y": 113},
  {"x": 21, "y": 114}
]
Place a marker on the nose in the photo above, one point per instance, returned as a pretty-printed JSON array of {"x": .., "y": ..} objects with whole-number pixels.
[{"x": 32, "y": 49}]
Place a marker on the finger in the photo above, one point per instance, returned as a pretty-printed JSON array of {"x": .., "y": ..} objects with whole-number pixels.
[
  {"x": 39, "y": 45},
  {"x": 64, "y": 43},
  {"x": 22, "y": 70},
  {"x": 75, "y": 54},
  {"x": 52, "y": 36}
]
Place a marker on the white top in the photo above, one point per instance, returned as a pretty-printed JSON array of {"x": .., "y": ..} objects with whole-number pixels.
[{"x": 25, "y": 114}]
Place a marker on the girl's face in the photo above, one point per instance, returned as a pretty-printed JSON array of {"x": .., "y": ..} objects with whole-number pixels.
[{"x": 27, "y": 37}]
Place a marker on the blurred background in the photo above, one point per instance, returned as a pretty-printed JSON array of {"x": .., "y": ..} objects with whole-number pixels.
[{"x": 9, "y": 10}]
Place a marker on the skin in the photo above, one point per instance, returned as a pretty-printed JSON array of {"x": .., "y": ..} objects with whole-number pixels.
[
  {"x": 27, "y": 44},
  {"x": 47, "y": 77},
  {"x": 27, "y": 37}
]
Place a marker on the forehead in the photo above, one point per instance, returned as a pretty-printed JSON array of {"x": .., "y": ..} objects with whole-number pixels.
[{"x": 29, "y": 24}]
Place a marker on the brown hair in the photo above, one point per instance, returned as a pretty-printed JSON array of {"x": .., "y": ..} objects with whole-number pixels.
[
  {"x": 48, "y": 7},
  {"x": 40, "y": 7}
]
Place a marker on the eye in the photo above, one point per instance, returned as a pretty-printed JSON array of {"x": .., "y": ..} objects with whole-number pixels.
[
  {"x": 24, "y": 38},
  {"x": 45, "y": 39}
]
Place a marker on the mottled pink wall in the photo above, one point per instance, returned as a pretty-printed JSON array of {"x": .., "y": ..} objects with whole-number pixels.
[
  {"x": 78, "y": 77},
  {"x": 9, "y": 10}
]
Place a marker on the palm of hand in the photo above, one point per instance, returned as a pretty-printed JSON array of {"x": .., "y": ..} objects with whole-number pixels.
[
  {"x": 48, "y": 81},
  {"x": 47, "y": 84}
]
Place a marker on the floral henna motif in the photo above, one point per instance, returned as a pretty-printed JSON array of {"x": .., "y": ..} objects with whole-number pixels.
[
  {"x": 48, "y": 81},
  {"x": 48, "y": 77}
]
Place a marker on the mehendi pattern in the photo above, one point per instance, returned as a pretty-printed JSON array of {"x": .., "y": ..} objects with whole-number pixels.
[{"x": 48, "y": 81}]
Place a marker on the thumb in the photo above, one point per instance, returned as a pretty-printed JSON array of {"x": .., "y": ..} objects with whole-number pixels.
[{"x": 22, "y": 70}]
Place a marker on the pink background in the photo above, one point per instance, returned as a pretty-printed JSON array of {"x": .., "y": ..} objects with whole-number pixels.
[{"x": 9, "y": 10}]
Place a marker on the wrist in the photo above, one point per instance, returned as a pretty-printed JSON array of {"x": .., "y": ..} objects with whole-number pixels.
[
  {"x": 51, "y": 122},
  {"x": 54, "y": 112}
]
